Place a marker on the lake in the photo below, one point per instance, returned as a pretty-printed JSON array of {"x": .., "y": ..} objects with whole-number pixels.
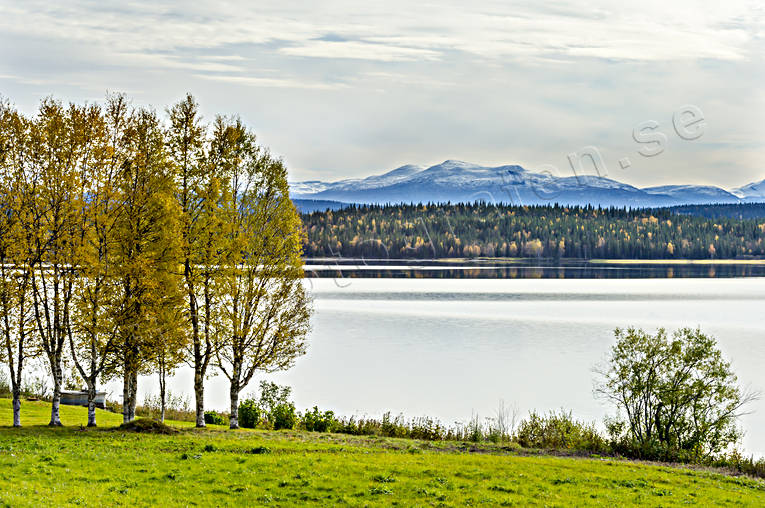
[{"x": 450, "y": 348}]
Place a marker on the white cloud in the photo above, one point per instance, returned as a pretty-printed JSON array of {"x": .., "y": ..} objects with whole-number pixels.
[
  {"x": 270, "y": 82},
  {"x": 360, "y": 51},
  {"x": 358, "y": 87},
  {"x": 402, "y": 30}
]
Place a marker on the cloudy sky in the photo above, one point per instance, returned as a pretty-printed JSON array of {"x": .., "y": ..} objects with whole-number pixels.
[{"x": 347, "y": 88}]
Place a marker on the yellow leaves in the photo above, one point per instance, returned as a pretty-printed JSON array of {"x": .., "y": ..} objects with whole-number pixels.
[{"x": 533, "y": 247}]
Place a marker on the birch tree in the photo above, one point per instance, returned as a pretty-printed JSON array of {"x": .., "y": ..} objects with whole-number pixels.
[
  {"x": 198, "y": 196},
  {"x": 16, "y": 322},
  {"x": 266, "y": 309},
  {"x": 94, "y": 332},
  {"x": 146, "y": 252},
  {"x": 57, "y": 147},
  {"x": 168, "y": 343}
]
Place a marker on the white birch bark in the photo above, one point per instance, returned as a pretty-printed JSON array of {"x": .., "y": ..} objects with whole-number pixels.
[
  {"x": 55, "y": 417},
  {"x": 234, "y": 417},
  {"x": 16, "y": 411},
  {"x": 91, "y": 405},
  {"x": 199, "y": 393}
]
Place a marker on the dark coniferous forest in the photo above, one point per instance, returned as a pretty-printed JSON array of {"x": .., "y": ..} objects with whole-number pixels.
[{"x": 428, "y": 231}]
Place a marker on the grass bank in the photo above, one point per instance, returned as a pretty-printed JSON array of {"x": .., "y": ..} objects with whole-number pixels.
[{"x": 107, "y": 466}]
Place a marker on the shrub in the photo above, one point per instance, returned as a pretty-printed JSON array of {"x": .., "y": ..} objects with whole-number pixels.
[
  {"x": 680, "y": 395},
  {"x": 214, "y": 418},
  {"x": 316, "y": 421},
  {"x": 427, "y": 429},
  {"x": 395, "y": 427},
  {"x": 273, "y": 395},
  {"x": 283, "y": 416},
  {"x": 249, "y": 414},
  {"x": 560, "y": 431},
  {"x": 738, "y": 462},
  {"x": 474, "y": 430},
  {"x": 275, "y": 410}
]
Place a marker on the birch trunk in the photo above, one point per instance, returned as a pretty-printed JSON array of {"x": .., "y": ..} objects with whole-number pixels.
[
  {"x": 55, "y": 417},
  {"x": 126, "y": 398},
  {"x": 234, "y": 417},
  {"x": 91, "y": 404},
  {"x": 16, "y": 409},
  {"x": 199, "y": 393},
  {"x": 133, "y": 393},
  {"x": 162, "y": 402},
  {"x": 130, "y": 389}
]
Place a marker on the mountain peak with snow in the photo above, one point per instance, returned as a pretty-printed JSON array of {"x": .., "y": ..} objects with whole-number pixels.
[{"x": 459, "y": 181}]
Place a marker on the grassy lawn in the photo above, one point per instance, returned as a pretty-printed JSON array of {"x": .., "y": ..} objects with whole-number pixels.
[{"x": 40, "y": 466}]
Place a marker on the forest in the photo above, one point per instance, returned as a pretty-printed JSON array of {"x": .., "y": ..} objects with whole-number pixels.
[
  {"x": 133, "y": 242},
  {"x": 428, "y": 231}
]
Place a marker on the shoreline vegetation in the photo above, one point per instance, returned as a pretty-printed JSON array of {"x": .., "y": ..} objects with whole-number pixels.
[
  {"x": 656, "y": 380},
  {"x": 146, "y": 466}
]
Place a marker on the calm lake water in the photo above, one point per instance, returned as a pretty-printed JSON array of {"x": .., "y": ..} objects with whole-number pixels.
[{"x": 449, "y": 348}]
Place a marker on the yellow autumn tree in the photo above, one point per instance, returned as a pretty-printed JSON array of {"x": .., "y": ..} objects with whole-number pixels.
[{"x": 265, "y": 305}]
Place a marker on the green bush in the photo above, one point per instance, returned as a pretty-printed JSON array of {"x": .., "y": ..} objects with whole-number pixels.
[
  {"x": 283, "y": 416},
  {"x": 214, "y": 418},
  {"x": 738, "y": 462},
  {"x": 681, "y": 398},
  {"x": 427, "y": 429},
  {"x": 249, "y": 414},
  {"x": 395, "y": 427},
  {"x": 560, "y": 431},
  {"x": 317, "y": 421}
]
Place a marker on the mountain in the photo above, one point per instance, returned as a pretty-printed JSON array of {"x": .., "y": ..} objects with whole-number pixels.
[
  {"x": 457, "y": 181},
  {"x": 694, "y": 193},
  {"x": 751, "y": 192}
]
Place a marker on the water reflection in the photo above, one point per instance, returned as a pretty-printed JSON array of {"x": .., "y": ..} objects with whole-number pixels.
[{"x": 526, "y": 269}]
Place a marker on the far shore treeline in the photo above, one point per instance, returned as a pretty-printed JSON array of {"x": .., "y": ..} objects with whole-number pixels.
[
  {"x": 426, "y": 231},
  {"x": 132, "y": 242}
]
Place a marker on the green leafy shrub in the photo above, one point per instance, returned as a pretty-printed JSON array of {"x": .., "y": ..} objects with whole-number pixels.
[
  {"x": 275, "y": 407},
  {"x": 475, "y": 431},
  {"x": 427, "y": 429},
  {"x": 395, "y": 427},
  {"x": 738, "y": 462},
  {"x": 249, "y": 414},
  {"x": 317, "y": 421},
  {"x": 214, "y": 418},
  {"x": 560, "y": 431},
  {"x": 283, "y": 416},
  {"x": 680, "y": 395}
]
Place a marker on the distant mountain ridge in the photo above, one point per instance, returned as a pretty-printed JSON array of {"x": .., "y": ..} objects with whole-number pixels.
[{"x": 457, "y": 181}]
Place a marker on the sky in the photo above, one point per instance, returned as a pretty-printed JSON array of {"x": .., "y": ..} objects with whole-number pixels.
[{"x": 344, "y": 89}]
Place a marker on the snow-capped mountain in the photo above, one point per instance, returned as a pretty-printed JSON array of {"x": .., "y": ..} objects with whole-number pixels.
[
  {"x": 751, "y": 192},
  {"x": 695, "y": 193},
  {"x": 458, "y": 181}
]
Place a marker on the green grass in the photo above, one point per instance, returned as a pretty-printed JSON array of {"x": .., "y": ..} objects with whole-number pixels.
[{"x": 41, "y": 466}]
